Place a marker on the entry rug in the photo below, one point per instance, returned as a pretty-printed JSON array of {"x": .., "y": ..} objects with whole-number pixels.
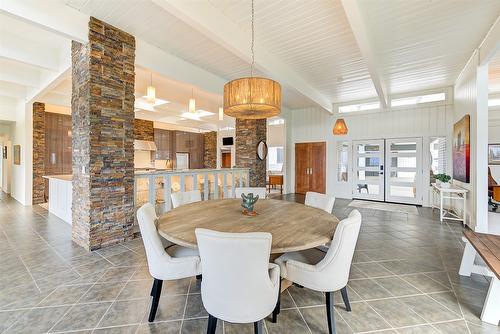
[
  {"x": 45, "y": 206},
  {"x": 402, "y": 208}
]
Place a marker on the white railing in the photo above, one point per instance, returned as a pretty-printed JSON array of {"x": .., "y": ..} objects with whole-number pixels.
[{"x": 156, "y": 187}]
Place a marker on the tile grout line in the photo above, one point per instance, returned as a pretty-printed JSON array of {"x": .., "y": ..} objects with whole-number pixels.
[
  {"x": 300, "y": 313},
  {"x": 73, "y": 305},
  {"x": 24, "y": 264},
  {"x": 185, "y": 305},
  {"x": 114, "y": 301}
]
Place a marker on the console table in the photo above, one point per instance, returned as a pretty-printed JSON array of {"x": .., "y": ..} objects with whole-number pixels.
[{"x": 452, "y": 193}]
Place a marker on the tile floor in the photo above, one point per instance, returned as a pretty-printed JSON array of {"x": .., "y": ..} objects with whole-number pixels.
[{"x": 403, "y": 280}]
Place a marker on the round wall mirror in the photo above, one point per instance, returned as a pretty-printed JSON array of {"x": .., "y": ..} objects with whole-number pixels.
[{"x": 262, "y": 150}]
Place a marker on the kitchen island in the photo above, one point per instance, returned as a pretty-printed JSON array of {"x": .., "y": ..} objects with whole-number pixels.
[{"x": 60, "y": 196}]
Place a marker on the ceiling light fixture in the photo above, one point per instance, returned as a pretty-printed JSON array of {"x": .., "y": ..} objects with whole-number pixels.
[
  {"x": 221, "y": 114},
  {"x": 340, "y": 128},
  {"x": 252, "y": 97},
  {"x": 192, "y": 102},
  {"x": 151, "y": 91}
]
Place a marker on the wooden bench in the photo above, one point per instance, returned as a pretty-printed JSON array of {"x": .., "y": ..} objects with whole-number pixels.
[{"x": 488, "y": 247}]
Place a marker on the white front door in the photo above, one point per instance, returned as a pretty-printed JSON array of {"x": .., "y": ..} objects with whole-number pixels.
[
  {"x": 403, "y": 170},
  {"x": 368, "y": 169}
]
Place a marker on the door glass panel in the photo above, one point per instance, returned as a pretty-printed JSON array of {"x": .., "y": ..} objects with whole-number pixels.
[
  {"x": 342, "y": 165},
  {"x": 368, "y": 148},
  {"x": 368, "y": 162},
  {"x": 404, "y": 162},
  {"x": 408, "y": 147},
  {"x": 402, "y": 176},
  {"x": 368, "y": 189},
  {"x": 402, "y": 191},
  {"x": 364, "y": 175}
]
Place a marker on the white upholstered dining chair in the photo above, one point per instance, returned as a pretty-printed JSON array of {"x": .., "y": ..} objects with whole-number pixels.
[
  {"x": 174, "y": 263},
  {"x": 239, "y": 284},
  {"x": 326, "y": 273},
  {"x": 261, "y": 191},
  {"x": 185, "y": 197},
  {"x": 320, "y": 201}
]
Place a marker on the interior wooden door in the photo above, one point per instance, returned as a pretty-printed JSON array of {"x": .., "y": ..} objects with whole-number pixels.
[
  {"x": 226, "y": 160},
  {"x": 317, "y": 172},
  {"x": 302, "y": 160}
]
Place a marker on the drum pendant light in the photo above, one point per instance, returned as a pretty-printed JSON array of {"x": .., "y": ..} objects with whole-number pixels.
[{"x": 252, "y": 97}]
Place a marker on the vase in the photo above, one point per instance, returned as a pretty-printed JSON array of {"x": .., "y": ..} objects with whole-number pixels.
[{"x": 445, "y": 185}]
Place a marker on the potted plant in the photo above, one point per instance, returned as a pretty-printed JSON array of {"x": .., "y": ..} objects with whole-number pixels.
[{"x": 443, "y": 180}]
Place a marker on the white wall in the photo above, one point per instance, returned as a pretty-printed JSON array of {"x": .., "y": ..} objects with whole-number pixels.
[
  {"x": 221, "y": 134},
  {"x": 21, "y": 134},
  {"x": 494, "y": 138},
  {"x": 314, "y": 124},
  {"x": 471, "y": 97}
]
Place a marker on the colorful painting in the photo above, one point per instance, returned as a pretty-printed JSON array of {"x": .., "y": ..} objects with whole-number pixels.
[{"x": 461, "y": 150}]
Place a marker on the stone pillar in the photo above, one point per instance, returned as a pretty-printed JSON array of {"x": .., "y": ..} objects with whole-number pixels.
[
  {"x": 249, "y": 132},
  {"x": 103, "y": 137},
  {"x": 144, "y": 130},
  {"x": 210, "y": 149},
  {"x": 38, "y": 153}
]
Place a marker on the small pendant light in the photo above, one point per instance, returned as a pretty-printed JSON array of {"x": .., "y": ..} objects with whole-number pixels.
[
  {"x": 192, "y": 102},
  {"x": 221, "y": 114},
  {"x": 340, "y": 128},
  {"x": 151, "y": 91}
]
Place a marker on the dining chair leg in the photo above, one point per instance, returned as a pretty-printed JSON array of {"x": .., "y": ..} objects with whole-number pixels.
[
  {"x": 345, "y": 298},
  {"x": 277, "y": 309},
  {"x": 212, "y": 324},
  {"x": 330, "y": 313},
  {"x": 156, "y": 299},
  {"x": 257, "y": 326}
]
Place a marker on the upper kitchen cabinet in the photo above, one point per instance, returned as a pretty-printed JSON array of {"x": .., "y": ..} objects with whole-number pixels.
[{"x": 169, "y": 142}]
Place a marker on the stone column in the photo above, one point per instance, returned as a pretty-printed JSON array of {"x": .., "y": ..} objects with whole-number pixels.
[
  {"x": 210, "y": 149},
  {"x": 249, "y": 132},
  {"x": 144, "y": 130},
  {"x": 38, "y": 152},
  {"x": 103, "y": 137}
]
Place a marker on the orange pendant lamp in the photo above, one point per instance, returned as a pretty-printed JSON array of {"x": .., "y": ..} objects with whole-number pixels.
[{"x": 340, "y": 128}]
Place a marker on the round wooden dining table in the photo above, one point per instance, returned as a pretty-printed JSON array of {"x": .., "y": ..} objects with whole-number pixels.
[{"x": 293, "y": 226}]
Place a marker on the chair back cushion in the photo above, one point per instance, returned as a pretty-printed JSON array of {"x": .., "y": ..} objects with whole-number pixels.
[
  {"x": 235, "y": 266},
  {"x": 320, "y": 201},
  {"x": 155, "y": 253},
  {"x": 185, "y": 197},
  {"x": 334, "y": 268},
  {"x": 161, "y": 264},
  {"x": 254, "y": 190}
]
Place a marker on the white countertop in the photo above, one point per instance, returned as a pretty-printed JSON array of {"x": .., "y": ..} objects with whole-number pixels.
[{"x": 62, "y": 177}]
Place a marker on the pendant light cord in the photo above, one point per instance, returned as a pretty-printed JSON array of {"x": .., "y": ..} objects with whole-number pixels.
[{"x": 253, "y": 38}]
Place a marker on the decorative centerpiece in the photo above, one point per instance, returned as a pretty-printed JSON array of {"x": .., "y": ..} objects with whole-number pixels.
[
  {"x": 247, "y": 202},
  {"x": 443, "y": 180}
]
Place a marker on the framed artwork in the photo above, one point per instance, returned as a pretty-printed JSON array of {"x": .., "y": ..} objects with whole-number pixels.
[
  {"x": 461, "y": 150},
  {"x": 4, "y": 151},
  {"x": 494, "y": 154},
  {"x": 17, "y": 154}
]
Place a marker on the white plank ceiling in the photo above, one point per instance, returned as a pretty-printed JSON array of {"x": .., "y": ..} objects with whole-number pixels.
[
  {"x": 417, "y": 45},
  {"x": 425, "y": 44}
]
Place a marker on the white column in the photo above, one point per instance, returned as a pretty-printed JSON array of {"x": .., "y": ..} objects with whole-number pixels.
[{"x": 481, "y": 161}]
